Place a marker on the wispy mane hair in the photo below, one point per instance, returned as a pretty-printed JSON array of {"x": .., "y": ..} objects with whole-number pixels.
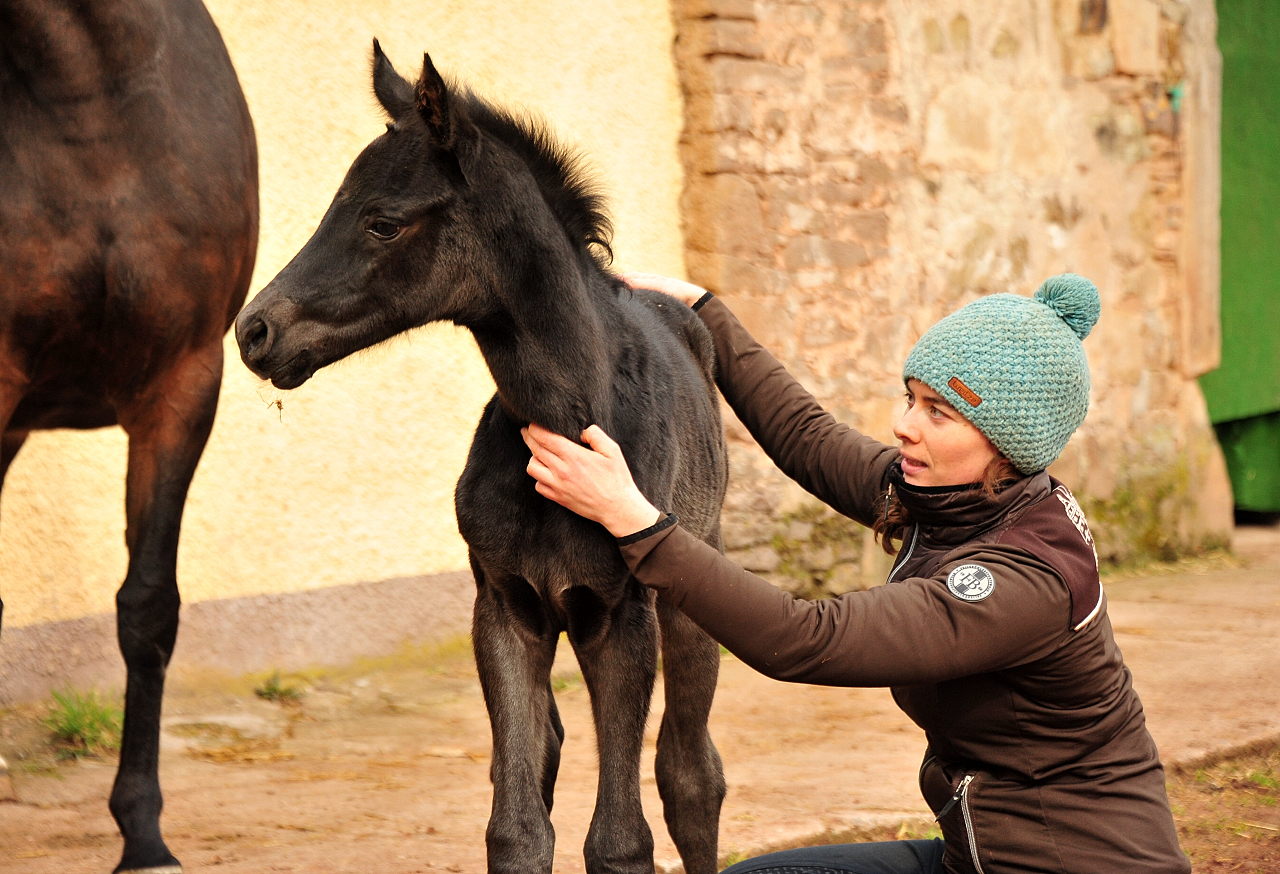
[{"x": 558, "y": 170}]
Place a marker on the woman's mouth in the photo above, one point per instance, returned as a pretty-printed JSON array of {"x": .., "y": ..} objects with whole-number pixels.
[{"x": 911, "y": 467}]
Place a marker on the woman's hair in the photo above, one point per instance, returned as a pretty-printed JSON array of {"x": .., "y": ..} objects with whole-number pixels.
[{"x": 893, "y": 520}]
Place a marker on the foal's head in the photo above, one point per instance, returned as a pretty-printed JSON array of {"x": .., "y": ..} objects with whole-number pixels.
[{"x": 443, "y": 217}]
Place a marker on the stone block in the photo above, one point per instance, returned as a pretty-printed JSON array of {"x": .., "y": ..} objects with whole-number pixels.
[
  {"x": 747, "y": 76},
  {"x": 868, "y": 226},
  {"x": 834, "y": 129},
  {"x": 732, "y": 9},
  {"x": 806, "y": 253},
  {"x": 721, "y": 36},
  {"x": 889, "y": 109},
  {"x": 958, "y": 132},
  {"x": 1135, "y": 36},
  {"x": 725, "y": 274},
  {"x": 715, "y": 113},
  {"x": 845, "y": 577},
  {"x": 846, "y": 256},
  {"x": 934, "y": 41},
  {"x": 1092, "y": 58},
  {"x": 759, "y": 560},
  {"x": 1006, "y": 45},
  {"x": 724, "y": 215},
  {"x": 817, "y": 559},
  {"x": 864, "y": 39},
  {"x": 768, "y": 322}
]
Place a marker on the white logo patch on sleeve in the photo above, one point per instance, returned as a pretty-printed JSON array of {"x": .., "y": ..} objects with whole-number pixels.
[{"x": 971, "y": 582}]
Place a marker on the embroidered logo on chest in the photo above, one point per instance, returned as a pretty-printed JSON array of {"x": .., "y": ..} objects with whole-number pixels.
[{"x": 971, "y": 582}]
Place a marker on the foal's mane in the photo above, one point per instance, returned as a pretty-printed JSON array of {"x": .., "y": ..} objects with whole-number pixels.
[{"x": 558, "y": 170}]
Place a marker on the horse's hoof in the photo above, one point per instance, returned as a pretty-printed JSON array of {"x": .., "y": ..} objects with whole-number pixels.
[{"x": 159, "y": 869}]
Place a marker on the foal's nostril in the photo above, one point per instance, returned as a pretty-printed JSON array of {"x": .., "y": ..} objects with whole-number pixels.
[{"x": 254, "y": 339}]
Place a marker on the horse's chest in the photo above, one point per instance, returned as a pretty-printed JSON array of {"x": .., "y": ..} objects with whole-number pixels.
[{"x": 512, "y": 530}]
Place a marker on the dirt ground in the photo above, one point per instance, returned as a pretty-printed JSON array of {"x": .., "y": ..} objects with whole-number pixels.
[{"x": 383, "y": 766}]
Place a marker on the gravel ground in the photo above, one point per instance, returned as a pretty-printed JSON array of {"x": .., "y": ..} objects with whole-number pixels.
[{"x": 383, "y": 766}]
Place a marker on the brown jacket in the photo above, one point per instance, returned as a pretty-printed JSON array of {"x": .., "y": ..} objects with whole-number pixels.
[{"x": 992, "y": 632}]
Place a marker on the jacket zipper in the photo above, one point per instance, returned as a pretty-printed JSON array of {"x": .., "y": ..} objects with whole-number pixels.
[
  {"x": 915, "y": 535},
  {"x": 946, "y": 808},
  {"x": 968, "y": 826},
  {"x": 961, "y": 797}
]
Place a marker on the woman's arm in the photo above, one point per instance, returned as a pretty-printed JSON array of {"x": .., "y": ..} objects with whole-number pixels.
[
  {"x": 840, "y": 466},
  {"x": 905, "y": 633},
  {"x": 916, "y": 631}
]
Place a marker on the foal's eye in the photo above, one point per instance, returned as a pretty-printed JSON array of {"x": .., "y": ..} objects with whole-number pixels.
[{"x": 384, "y": 230}]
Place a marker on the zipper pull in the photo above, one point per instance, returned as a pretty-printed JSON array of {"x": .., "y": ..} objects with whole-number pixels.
[{"x": 946, "y": 808}]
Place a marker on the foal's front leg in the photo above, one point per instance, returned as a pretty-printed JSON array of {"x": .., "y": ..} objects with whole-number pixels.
[
  {"x": 515, "y": 645},
  {"x": 617, "y": 650}
]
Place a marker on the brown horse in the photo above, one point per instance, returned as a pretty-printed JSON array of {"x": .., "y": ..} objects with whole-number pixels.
[
  {"x": 461, "y": 212},
  {"x": 128, "y": 229}
]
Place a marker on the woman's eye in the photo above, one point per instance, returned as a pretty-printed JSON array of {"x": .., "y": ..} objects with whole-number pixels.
[{"x": 383, "y": 229}]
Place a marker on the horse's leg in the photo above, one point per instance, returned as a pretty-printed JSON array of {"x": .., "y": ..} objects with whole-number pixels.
[
  {"x": 690, "y": 778},
  {"x": 515, "y": 644},
  {"x": 617, "y": 650},
  {"x": 167, "y": 425}
]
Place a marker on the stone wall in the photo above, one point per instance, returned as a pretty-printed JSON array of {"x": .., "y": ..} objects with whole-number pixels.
[{"x": 857, "y": 170}]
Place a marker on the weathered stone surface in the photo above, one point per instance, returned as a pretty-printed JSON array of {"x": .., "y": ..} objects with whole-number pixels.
[
  {"x": 696, "y": 9},
  {"x": 1135, "y": 36},
  {"x": 759, "y": 559},
  {"x": 721, "y": 36},
  {"x": 725, "y": 216},
  {"x": 906, "y": 161},
  {"x": 958, "y": 127}
]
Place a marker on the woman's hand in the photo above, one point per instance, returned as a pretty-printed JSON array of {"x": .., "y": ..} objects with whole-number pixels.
[
  {"x": 685, "y": 292},
  {"x": 592, "y": 481}
]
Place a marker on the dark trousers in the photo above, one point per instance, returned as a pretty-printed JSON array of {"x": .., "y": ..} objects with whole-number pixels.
[{"x": 885, "y": 857}]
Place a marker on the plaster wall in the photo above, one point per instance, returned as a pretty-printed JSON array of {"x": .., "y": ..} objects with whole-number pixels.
[{"x": 350, "y": 479}]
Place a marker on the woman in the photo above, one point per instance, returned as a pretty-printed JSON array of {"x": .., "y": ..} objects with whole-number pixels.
[{"x": 992, "y": 630}]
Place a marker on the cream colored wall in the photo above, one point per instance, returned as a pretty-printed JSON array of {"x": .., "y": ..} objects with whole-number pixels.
[{"x": 352, "y": 480}]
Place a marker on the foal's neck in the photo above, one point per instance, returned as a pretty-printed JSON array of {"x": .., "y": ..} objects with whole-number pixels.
[{"x": 553, "y": 349}]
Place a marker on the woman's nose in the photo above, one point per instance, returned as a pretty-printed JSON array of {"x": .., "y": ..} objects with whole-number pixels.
[{"x": 904, "y": 429}]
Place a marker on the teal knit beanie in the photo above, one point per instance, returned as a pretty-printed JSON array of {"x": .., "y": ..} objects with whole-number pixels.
[{"x": 1014, "y": 366}]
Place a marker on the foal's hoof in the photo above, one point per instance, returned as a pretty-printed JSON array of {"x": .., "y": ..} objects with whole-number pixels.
[{"x": 159, "y": 869}]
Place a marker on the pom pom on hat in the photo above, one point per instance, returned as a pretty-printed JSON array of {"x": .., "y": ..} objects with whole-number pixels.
[
  {"x": 1014, "y": 366},
  {"x": 1075, "y": 300}
]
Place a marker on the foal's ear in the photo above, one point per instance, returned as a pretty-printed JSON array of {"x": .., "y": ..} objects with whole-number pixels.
[
  {"x": 434, "y": 103},
  {"x": 392, "y": 90}
]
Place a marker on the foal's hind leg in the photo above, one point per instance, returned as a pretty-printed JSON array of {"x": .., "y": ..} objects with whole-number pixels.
[
  {"x": 167, "y": 426},
  {"x": 617, "y": 650},
  {"x": 515, "y": 644},
  {"x": 689, "y": 774}
]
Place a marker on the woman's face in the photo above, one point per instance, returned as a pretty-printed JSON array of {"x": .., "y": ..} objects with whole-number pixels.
[{"x": 939, "y": 446}]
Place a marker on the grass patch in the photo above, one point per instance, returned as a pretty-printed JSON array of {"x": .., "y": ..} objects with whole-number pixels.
[
  {"x": 83, "y": 723},
  {"x": 564, "y": 682},
  {"x": 275, "y": 689}
]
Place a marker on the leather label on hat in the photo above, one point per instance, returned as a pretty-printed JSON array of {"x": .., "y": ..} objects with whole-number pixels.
[{"x": 964, "y": 391}]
